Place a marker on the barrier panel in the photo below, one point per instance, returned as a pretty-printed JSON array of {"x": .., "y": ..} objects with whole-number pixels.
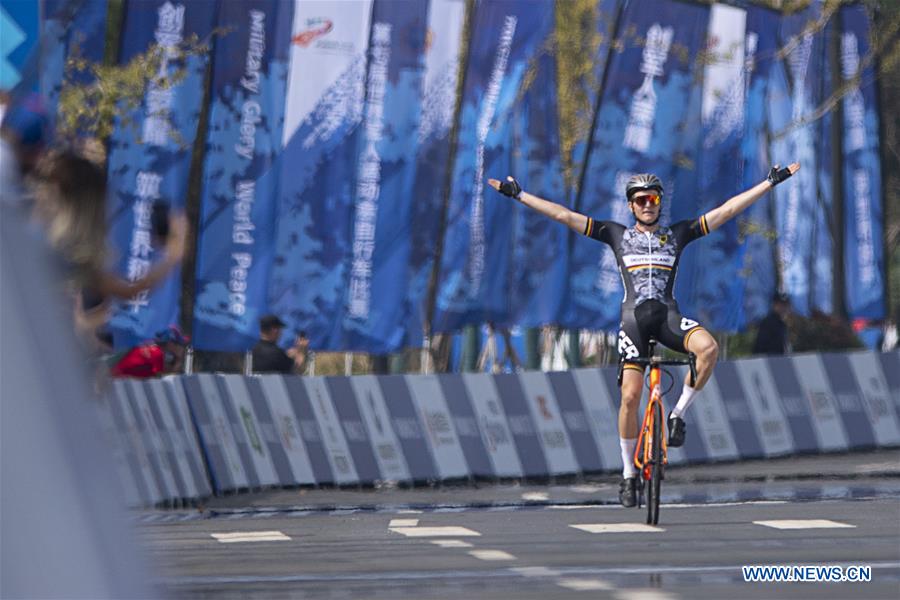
[{"x": 186, "y": 437}]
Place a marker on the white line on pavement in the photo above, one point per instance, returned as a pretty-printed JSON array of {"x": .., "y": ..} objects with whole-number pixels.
[
  {"x": 249, "y": 536},
  {"x": 535, "y": 496},
  {"x": 492, "y": 555},
  {"x": 403, "y": 523},
  {"x": 618, "y": 528},
  {"x": 803, "y": 524},
  {"x": 451, "y": 543},
  {"x": 584, "y": 585},
  {"x": 535, "y": 571},
  {"x": 643, "y": 594},
  {"x": 435, "y": 531}
]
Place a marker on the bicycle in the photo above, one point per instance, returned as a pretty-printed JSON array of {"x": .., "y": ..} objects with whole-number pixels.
[{"x": 650, "y": 454}]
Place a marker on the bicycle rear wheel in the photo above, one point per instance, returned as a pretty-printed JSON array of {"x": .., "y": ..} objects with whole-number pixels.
[{"x": 656, "y": 466}]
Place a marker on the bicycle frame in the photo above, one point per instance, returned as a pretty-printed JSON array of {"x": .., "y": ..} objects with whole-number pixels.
[{"x": 643, "y": 450}]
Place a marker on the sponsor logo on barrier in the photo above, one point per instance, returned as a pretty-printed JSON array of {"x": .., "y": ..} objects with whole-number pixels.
[
  {"x": 250, "y": 428},
  {"x": 316, "y": 28}
]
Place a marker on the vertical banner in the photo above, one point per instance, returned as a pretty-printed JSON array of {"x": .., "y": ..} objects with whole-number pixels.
[
  {"x": 793, "y": 98},
  {"x": 649, "y": 115},
  {"x": 475, "y": 266},
  {"x": 863, "y": 251},
  {"x": 65, "y": 26},
  {"x": 374, "y": 314},
  {"x": 237, "y": 217},
  {"x": 442, "y": 66},
  {"x": 150, "y": 158},
  {"x": 326, "y": 93},
  {"x": 540, "y": 245},
  {"x": 18, "y": 38},
  {"x": 822, "y": 297}
]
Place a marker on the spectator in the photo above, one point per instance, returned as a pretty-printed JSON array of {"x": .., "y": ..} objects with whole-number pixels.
[
  {"x": 268, "y": 357},
  {"x": 24, "y": 134},
  {"x": 772, "y": 336},
  {"x": 299, "y": 353},
  {"x": 163, "y": 355}
]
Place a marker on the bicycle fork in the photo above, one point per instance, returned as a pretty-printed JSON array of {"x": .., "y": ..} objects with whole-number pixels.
[{"x": 643, "y": 451}]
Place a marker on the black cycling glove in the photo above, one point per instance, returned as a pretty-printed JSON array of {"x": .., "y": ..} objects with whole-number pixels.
[
  {"x": 777, "y": 175},
  {"x": 510, "y": 188}
]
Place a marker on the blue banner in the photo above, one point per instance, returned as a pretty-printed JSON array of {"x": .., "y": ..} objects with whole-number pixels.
[
  {"x": 540, "y": 244},
  {"x": 318, "y": 167},
  {"x": 649, "y": 117},
  {"x": 792, "y": 100},
  {"x": 238, "y": 208},
  {"x": 756, "y": 255},
  {"x": 374, "y": 315},
  {"x": 442, "y": 61},
  {"x": 150, "y": 158},
  {"x": 822, "y": 298},
  {"x": 18, "y": 37},
  {"x": 863, "y": 246},
  {"x": 476, "y": 263},
  {"x": 67, "y": 25}
]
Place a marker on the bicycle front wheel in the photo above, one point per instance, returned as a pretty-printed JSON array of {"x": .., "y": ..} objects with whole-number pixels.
[{"x": 656, "y": 466}]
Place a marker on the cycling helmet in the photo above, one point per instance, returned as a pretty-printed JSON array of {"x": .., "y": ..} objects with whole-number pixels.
[{"x": 641, "y": 182}]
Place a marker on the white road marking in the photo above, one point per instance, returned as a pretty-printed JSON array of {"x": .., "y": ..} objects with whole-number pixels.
[
  {"x": 574, "y": 506},
  {"x": 492, "y": 555},
  {"x": 435, "y": 531},
  {"x": 888, "y": 467},
  {"x": 249, "y": 536},
  {"x": 618, "y": 528},
  {"x": 403, "y": 523},
  {"x": 803, "y": 524},
  {"x": 721, "y": 504},
  {"x": 535, "y": 496},
  {"x": 585, "y": 489},
  {"x": 409, "y": 511},
  {"x": 451, "y": 543},
  {"x": 584, "y": 585},
  {"x": 536, "y": 571},
  {"x": 643, "y": 594}
]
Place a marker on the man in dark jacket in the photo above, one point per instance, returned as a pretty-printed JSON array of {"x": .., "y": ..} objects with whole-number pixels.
[
  {"x": 268, "y": 357},
  {"x": 772, "y": 337}
]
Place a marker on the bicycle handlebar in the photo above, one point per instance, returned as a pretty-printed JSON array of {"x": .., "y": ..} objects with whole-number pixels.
[{"x": 691, "y": 361}]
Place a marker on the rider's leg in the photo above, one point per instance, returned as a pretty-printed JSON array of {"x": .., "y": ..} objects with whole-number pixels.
[
  {"x": 632, "y": 386},
  {"x": 704, "y": 346}
]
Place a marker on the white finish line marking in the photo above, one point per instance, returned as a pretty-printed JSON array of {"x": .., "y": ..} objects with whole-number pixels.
[
  {"x": 492, "y": 555},
  {"x": 803, "y": 524},
  {"x": 435, "y": 531},
  {"x": 403, "y": 523},
  {"x": 584, "y": 585},
  {"x": 451, "y": 543},
  {"x": 535, "y": 496},
  {"x": 643, "y": 594},
  {"x": 250, "y": 536},
  {"x": 618, "y": 528},
  {"x": 535, "y": 571}
]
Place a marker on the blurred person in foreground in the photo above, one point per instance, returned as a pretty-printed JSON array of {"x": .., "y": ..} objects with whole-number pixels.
[
  {"x": 24, "y": 135},
  {"x": 163, "y": 355},
  {"x": 268, "y": 357},
  {"x": 647, "y": 255},
  {"x": 772, "y": 336}
]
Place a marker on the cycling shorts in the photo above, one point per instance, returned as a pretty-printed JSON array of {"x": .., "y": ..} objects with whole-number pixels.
[{"x": 653, "y": 319}]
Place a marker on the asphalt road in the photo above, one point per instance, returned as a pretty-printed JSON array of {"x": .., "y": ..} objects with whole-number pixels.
[{"x": 552, "y": 541}]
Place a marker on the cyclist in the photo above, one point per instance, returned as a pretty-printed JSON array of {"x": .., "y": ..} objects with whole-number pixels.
[{"x": 647, "y": 255}]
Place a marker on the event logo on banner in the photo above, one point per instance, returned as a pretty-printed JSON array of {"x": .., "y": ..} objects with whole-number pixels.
[
  {"x": 649, "y": 116},
  {"x": 150, "y": 159},
  {"x": 475, "y": 266},
  {"x": 238, "y": 211},
  {"x": 793, "y": 97},
  {"x": 374, "y": 318},
  {"x": 442, "y": 59},
  {"x": 318, "y": 166},
  {"x": 863, "y": 252}
]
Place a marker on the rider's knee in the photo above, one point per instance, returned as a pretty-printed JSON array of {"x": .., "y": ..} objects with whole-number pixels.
[
  {"x": 631, "y": 397},
  {"x": 709, "y": 351}
]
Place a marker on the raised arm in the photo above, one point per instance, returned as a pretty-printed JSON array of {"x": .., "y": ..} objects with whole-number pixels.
[
  {"x": 738, "y": 204},
  {"x": 555, "y": 211}
]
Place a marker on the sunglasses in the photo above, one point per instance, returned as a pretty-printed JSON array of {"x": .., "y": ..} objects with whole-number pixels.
[{"x": 642, "y": 201}]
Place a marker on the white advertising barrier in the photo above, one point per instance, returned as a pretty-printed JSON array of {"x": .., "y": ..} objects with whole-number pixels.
[
  {"x": 708, "y": 420},
  {"x": 603, "y": 415},
  {"x": 822, "y": 405},
  {"x": 336, "y": 448},
  {"x": 248, "y": 428},
  {"x": 123, "y": 456},
  {"x": 177, "y": 447},
  {"x": 765, "y": 408},
  {"x": 431, "y": 406},
  {"x": 548, "y": 419},
  {"x": 876, "y": 397},
  {"x": 207, "y": 405},
  {"x": 146, "y": 477},
  {"x": 161, "y": 455},
  {"x": 388, "y": 451},
  {"x": 492, "y": 423},
  {"x": 288, "y": 430},
  {"x": 181, "y": 413}
]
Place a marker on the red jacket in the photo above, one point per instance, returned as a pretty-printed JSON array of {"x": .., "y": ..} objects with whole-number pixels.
[{"x": 143, "y": 361}]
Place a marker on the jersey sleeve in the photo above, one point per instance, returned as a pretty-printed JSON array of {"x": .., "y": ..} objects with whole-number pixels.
[
  {"x": 690, "y": 230},
  {"x": 602, "y": 231}
]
